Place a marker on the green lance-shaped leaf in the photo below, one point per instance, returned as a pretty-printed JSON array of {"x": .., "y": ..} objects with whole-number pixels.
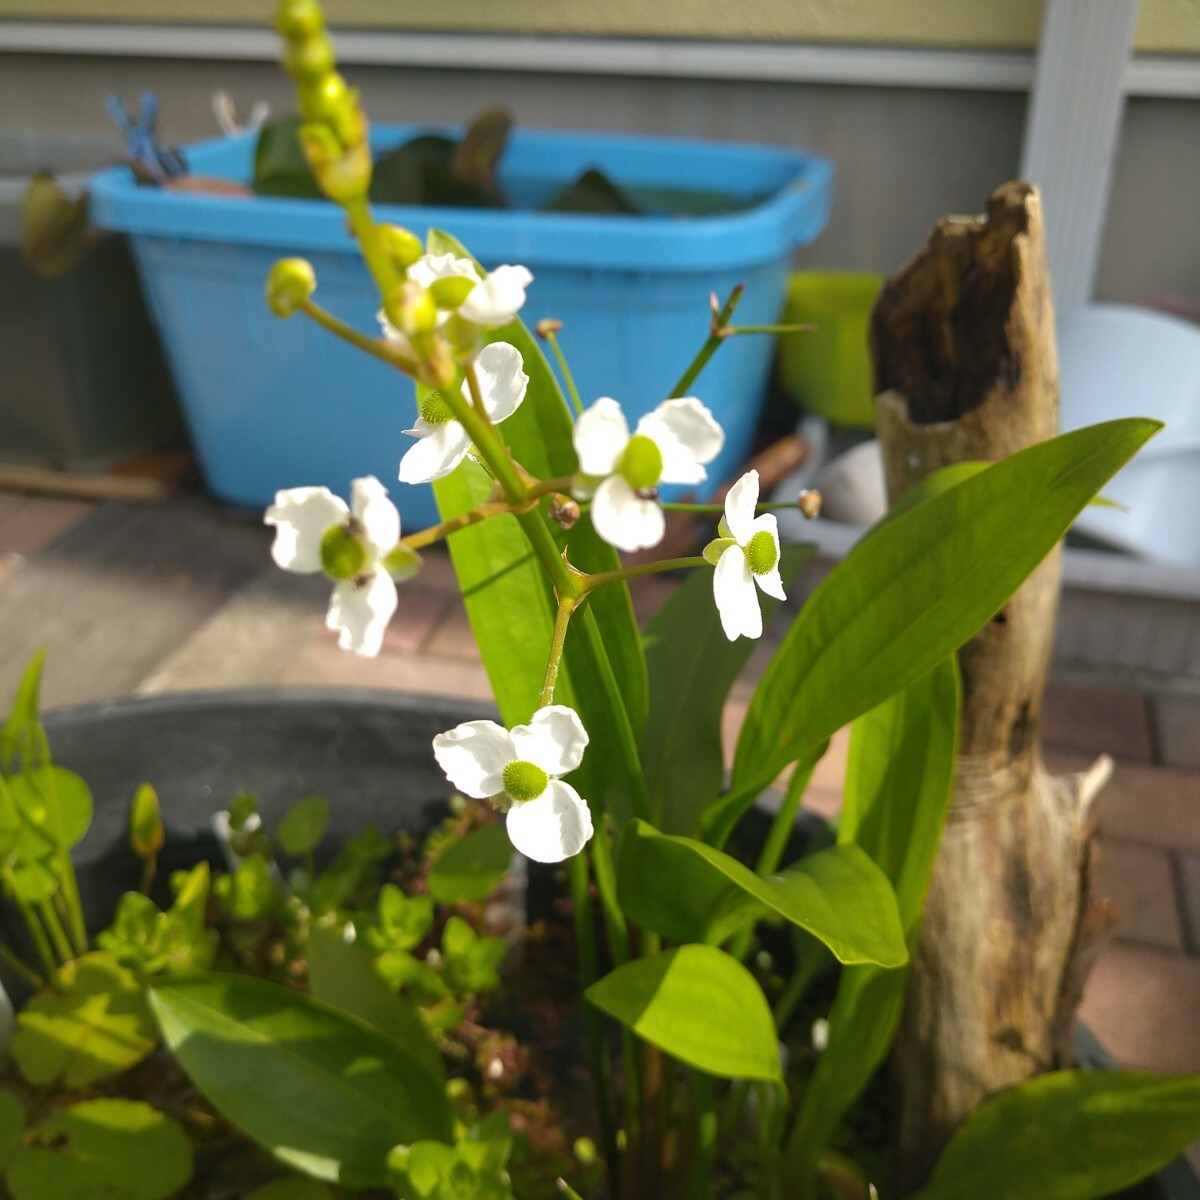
[
  {"x": 146, "y": 834},
  {"x": 344, "y": 976},
  {"x": 899, "y": 777},
  {"x": 22, "y": 739},
  {"x": 303, "y": 826},
  {"x": 510, "y": 602},
  {"x": 472, "y": 867},
  {"x": 700, "y": 1005},
  {"x": 685, "y": 890},
  {"x": 88, "y": 1023},
  {"x": 103, "y": 1150},
  {"x": 692, "y": 665},
  {"x": 1068, "y": 1135},
  {"x": 321, "y": 1090},
  {"x": 913, "y": 591}
]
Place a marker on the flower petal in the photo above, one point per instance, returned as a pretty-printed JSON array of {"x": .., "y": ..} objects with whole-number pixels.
[
  {"x": 737, "y": 600},
  {"x": 496, "y": 300},
  {"x": 392, "y": 335},
  {"x": 429, "y": 267},
  {"x": 301, "y": 517},
  {"x": 360, "y": 611},
  {"x": 624, "y": 519},
  {"x": 474, "y": 756},
  {"x": 554, "y": 739},
  {"x": 553, "y": 827},
  {"x": 502, "y": 380},
  {"x": 772, "y": 584},
  {"x": 688, "y": 436},
  {"x": 739, "y": 507},
  {"x": 436, "y": 454},
  {"x": 377, "y": 515},
  {"x": 601, "y": 435}
]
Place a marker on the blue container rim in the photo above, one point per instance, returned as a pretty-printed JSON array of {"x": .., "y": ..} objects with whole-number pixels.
[{"x": 796, "y": 187}]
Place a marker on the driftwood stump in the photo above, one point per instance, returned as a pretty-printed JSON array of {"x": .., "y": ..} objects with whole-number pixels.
[{"x": 966, "y": 368}]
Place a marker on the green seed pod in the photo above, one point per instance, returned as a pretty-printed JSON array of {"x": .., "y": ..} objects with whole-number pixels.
[{"x": 291, "y": 281}]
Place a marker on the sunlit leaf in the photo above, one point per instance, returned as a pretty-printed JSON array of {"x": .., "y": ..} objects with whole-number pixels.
[
  {"x": 700, "y": 1005},
  {"x": 472, "y": 867},
  {"x": 322, "y": 1091},
  {"x": 303, "y": 826}
]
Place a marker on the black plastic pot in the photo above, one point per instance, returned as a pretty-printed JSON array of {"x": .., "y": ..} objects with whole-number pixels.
[{"x": 368, "y": 753}]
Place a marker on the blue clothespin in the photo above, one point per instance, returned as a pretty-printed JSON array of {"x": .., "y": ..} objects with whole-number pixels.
[{"x": 141, "y": 144}]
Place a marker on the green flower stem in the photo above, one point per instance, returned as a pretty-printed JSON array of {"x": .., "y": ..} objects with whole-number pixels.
[
  {"x": 41, "y": 942},
  {"x": 715, "y": 338},
  {"x": 704, "y": 1116},
  {"x": 379, "y": 349},
  {"x": 715, "y": 509},
  {"x": 74, "y": 906},
  {"x": 26, "y": 972},
  {"x": 568, "y": 378},
  {"x": 589, "y": 972},
  {"x": 538, "y": 488},
  {"x": 363, "y": 226},
  {"x": 435, "y": 533},
  {"x": 590, "y": 582},
  {"x": 731, "y": 330},
  {"x": 58, "y": 935},
  {"x": 566, "y": 606}
]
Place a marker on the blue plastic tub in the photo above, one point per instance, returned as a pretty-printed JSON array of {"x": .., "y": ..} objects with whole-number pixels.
[{"x": 274, "y": 404}]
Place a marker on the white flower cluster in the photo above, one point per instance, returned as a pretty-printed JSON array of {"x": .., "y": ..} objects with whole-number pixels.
[{"x": 358, "y": 546}]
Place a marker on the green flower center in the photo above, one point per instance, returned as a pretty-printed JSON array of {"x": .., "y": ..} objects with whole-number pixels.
[
  {"x": 451, "y": 291},
  {"x": 343, "y": 556},
  {"x": 524, "y": 781},
  {"x": 642, "y": 463},
  {"x": 435, "y": 410},
  {"x": 761, "y": 553}
]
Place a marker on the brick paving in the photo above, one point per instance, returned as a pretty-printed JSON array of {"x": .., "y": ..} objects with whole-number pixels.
[{"x": 236, "y": 621}]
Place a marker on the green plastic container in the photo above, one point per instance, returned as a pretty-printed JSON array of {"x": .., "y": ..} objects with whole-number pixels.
[{"x": 828, "y": 371}]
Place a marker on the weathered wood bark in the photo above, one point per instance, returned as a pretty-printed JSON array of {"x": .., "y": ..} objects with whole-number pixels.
[{"x": 966, "y": 368}]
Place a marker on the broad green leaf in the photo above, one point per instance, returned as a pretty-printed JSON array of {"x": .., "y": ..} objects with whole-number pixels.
[
  {"x": 686, "y": 891},
  {"x": 303, "y": 826},
  {"x": 55, "y": 234},
  {"x": 23, "y": 737},
  {"x": 319, "y": 1089},
  {"x": 911, "y": 592},
  {"x": 692, "y": 665},
  {"x": 88, "y": 1023},
  {"x": 700, "y": 1005},
  {"x": 345, "y": 977},
  {"x": 472, "y": 867},
  {"x": 280, "y": 168},
  {"x": 146, "y": 833},
  {"x": 12, "y": 1121},
  {"x": 510, "y": 602},
  {"x": 899, "y": 776},
  {"x": 54, "y": 802},
  {"x": 1068, "y": 1135},
  {"x": 103, "y": 1150}
]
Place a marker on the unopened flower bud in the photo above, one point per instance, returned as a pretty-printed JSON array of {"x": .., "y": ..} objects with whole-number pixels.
[
  {"x": 412, "y": 309},
  {"x": 809, "y": 502},
  {"x": 343, "y": 170},
  {"x": 296, "y": 19},
  {"x": 311, "y": 59},
  {"x": 548, "y": 327},
  {"x": 563, "y": 510},
  {"x": 290, "y": 283},
  {"x": 403, "y": 247}
]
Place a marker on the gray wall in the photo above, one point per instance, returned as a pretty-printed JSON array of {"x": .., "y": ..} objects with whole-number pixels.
[{"x": 905, "y": 156}]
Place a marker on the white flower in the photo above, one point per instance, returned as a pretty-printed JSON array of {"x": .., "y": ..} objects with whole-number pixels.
[
  {"x": 670, "y": 445},
  {"x": 519, "y": 769},
  {"x": 746, "y": 553},
  {"x": 493, "y": 300},
  {"x": 354, "y": 546},
  {"x": 443, "y": 442}
]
